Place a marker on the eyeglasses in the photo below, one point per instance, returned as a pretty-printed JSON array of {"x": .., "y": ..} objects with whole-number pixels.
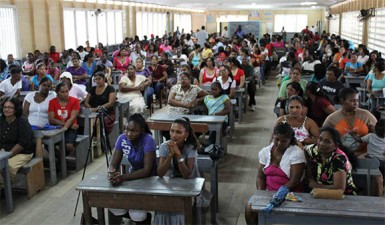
[
  {"x": 8, "y": 107},
  {"x": 184, "y": 78}
]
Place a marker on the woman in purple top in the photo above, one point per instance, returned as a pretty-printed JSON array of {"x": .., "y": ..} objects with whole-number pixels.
[
  {"x": 138, "y": 146},
  {"x": 79, "y": 74}
]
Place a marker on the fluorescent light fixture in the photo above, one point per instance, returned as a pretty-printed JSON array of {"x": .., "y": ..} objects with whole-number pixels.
[{"x": 308, "y": 3}]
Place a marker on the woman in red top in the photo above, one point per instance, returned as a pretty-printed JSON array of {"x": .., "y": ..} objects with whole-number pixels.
[
  {"x": 159, "y": 75},
  {"x": 121, "y": 61},
  {"x": 208, "y": 73},
  {"x": 238, "y": 73},
  {"x": 63, "y": 111},
  {"x": 318, "y": 103}
]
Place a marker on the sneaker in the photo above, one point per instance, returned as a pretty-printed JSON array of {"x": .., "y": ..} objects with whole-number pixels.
[{"x": 252, "y": 108}]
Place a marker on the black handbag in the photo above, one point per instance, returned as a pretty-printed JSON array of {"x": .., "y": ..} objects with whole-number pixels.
[{"x": 214, "y": 151}]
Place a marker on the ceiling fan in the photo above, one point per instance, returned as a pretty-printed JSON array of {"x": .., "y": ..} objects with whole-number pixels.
[{"x": 365, "y": 14}]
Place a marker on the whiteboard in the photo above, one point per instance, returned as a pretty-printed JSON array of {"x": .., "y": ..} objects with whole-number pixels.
[{"x": 253, "y": 27}]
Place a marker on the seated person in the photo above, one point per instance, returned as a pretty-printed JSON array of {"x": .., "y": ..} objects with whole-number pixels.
[
  {"x": 208, "y": 73},
  {"x": 317, "y": 103},
  {"x": 63, "y": 111},
  {"x": 331, "y": 85},
  {"x": 130, "y": 88},
  {"x": 179, "y": 156},
  {"x": 351, "y": 119},
  {"x": 184, "y": 67},
  {"x": 293, "y": 88},
  {"x": 295, "y": 75},
  {"x": 76, "y": 90},
  {"x": 16, "y": 137},
  {"x": 35, "y": 104},
  {"x": 138, "y": 146},
  {"x": 353, "y": 67},
  {"x": 281, "y": 163},
  {"x": 159, "y": 75},
  {"x": 29, "y": 65},
  {"x": 41, "y": 73},
  {"x": 79, "y": 74},
  {"x": 217, "y": 104},
  {"x": 102, "y": 96},
  {"x": 184, "y": 96},
  {"x": 309, "y": 64},
  {"x": 225, "y": 78},
  {"x": 328, "y": 165},
  {"x": 376, "y": 150},
  {"x": 305, "y": 129},
  {"x": 11, "y": 87}
]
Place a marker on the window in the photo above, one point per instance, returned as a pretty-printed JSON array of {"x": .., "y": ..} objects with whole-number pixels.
[
  {"x": 8, "y": 33},
  {"x": 231, "y": 18},
  {"x": 376, "y": 31},
  {"x": 183, "y": 21},
  {"x": 334, "y": 25},
  {"x": 148, "y": 23},
  {"x": 291, "y": 22},
  {"x": 81, "y": 25},
  {"x": 351, "y": 28}
]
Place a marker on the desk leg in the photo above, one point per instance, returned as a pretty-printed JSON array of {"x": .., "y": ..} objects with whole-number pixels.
[
  {"x": 52, "y": 163},
  {"x": 188, "y": 211},
  {"x": 214, "y": 190},
  {"x": 7, "y": 188},
  {"x": 87, "y": 215},
  {"x": 101, "y": 218},
  {"x": 240, "y": 112},
  {"x": 63, "y": 162}
]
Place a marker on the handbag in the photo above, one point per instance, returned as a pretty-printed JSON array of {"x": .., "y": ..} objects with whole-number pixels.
[
  {"x": 214, "y": 151},
  {"x": 350, "y": 142}
]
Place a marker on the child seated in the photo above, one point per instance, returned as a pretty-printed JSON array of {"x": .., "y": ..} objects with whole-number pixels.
[{"x": 376, "y": 145}]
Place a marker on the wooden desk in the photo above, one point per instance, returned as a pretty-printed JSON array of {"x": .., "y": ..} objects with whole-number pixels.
[
  {"x": 151, "y": 193},
  {"x": 215, "y": 123},
  {"x": 7, "y": 180},
  {"x": 50, "y": 138},
  {"x": 354, "y": 80},
  {"x": 351, "y": 210}
]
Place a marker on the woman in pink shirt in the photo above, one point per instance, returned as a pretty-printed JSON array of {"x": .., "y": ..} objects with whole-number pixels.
[
  {"x": 121, "y": 61},
  {"x": 281, "y": 163}
]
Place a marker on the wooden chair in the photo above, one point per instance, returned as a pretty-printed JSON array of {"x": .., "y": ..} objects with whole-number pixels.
[
  {"x": 369, "y": 168},
  {"x": 34, "y": 171}
]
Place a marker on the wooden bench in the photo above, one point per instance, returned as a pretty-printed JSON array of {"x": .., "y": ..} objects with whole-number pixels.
[
  {"x": 82, "y": 144},
  {"x": 34, "y": 171}
]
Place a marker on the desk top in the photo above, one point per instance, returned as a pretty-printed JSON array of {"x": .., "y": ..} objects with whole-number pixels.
[
  {"x": 4, "y": 155},
  {"x": 193, "y": 118},
  {"x": 147, "y": 186},
  {"x": 354, "y": 77},
  {"x": 351, "y": 206},
  {"x": 47, "y": 133}
]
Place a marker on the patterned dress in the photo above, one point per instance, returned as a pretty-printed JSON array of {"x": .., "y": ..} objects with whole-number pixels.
[{"x": 323, "y": 174}]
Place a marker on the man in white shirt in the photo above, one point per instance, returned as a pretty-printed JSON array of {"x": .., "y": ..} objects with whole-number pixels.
[
  {"x": 225, "y": 32},
  {"x": 11, "y": 86},
  {"x": 137, "y": 53},
  {"x": 179, "y": 57},
  {"x": 202, "y": 36}
]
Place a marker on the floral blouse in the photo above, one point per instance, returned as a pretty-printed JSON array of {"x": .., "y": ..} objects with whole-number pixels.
[{"x": 323, "y": 174}]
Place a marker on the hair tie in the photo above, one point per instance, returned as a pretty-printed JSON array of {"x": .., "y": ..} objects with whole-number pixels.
[{"x": 318, "y": 89}]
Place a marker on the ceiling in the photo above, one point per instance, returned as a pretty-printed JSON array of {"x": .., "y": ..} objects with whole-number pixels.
[{"x": 208, "y": 5}]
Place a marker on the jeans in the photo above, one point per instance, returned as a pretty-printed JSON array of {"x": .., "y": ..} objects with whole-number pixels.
[
  {"x": 158, "y": 86},
  {"x": 148, "y": 92}
]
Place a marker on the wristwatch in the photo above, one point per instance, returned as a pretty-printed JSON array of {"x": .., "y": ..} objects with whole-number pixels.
[{"x": 181, "y": 160}]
